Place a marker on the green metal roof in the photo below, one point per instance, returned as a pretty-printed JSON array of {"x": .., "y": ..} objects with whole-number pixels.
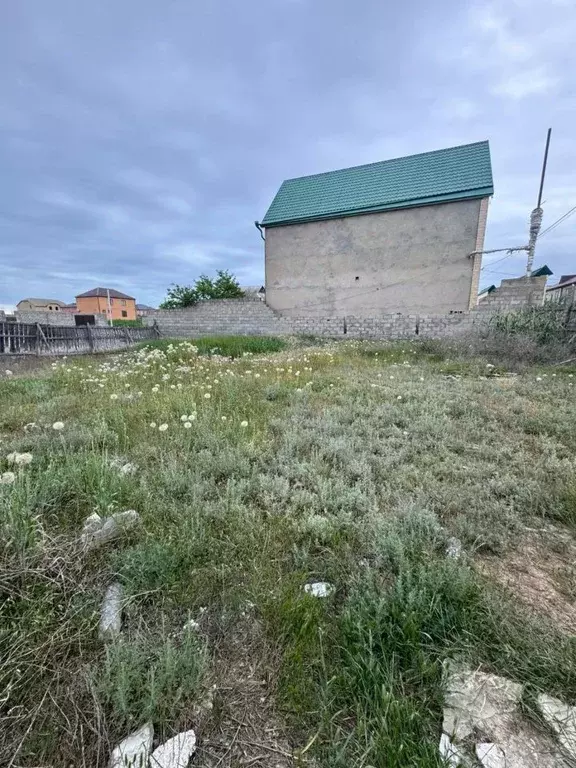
[
  {"x": 544, "y": 271},
  {"x": 433, "y": 177}
]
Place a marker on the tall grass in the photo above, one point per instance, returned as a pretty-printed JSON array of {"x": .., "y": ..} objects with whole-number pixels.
[
  {"x": 228, "y": 346},
  {"x": 351, "y": 463}
]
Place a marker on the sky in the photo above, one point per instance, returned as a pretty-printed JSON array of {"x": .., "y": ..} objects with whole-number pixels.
[{"x": 140, "y": 140}]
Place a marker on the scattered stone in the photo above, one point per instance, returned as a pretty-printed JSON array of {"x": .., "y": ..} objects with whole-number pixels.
[
  {"x": 134, "y": 751},
  {"x": 450, "y": 753},
  {"x": 176, "y": 752},
  {"x": 490, "y": 755},
  {"x": 111, "y": 612},
  {"x": 562, "y": 719},
  {"x": 319, "y": 589},
  {"x": 454, "y": 548},
  {"x": 111, "y": 529},
  {"x": 477, "y": 700},
  {"x": 92, "y": 523},
  {"x": 487, "y": 705}
]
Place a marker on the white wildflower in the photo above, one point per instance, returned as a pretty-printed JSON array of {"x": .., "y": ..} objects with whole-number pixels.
[
  {"x": 192, "y": 417},
  {"x": 399, "y": 397},
  {"x": 172, "y": 386},
  {"x": 207, "y": 395},
  {"x": 8, "y": 373},
  {"x": 22, "y": 459},
  {"x": 243, "y": 424},
  {"x": 58, "y": 426},
  {"x": 31, "y": 425},
  {"x": 184, "y": 417},
  {"x": 155, "y": 389},
  {"x": 11, "y": 458},
  {"x": 7, "y": 478},
  {"x": 162, "y": 427},
  {"x": 224, "y": 418},
  {"x": 152, "y": 425},
  {"x": 187, "y": 424},
  {"x": 113, "y": 397}
]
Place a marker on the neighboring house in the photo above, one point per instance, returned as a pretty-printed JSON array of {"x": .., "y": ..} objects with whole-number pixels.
[
  {"x": 489, "y": 294},
  {"x": 483, "y": 295},
  {"x": 564, "y": 291},
  {"x": 142, "y": 310},
  {"x": 544, "y": 271},
  {"x": 40, "y": 305},
  {"x": 112, "y": 303},
  {"x": 258, "y": 291},
  {"x": 393, "y": 236},
  {"x": 70, "y": 308}
]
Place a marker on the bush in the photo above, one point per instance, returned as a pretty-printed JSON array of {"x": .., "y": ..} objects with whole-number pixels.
[
  {"x": 128, "y": 323},
  {"x": 543, "y": 324},
  {"x": 225, "y": 286},
  {"x": 151, "y": 679}
]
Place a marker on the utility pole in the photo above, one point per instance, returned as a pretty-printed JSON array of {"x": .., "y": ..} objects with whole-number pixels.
[
  {"x": 536, "y": 215},
  {"x": 109, "y": 307}
]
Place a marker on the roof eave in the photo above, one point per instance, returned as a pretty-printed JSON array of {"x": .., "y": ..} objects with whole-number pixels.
[{"x": 419, "y": 203}]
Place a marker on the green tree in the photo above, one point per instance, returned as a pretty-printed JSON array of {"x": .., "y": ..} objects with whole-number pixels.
[{"x": 224, "y": 286}]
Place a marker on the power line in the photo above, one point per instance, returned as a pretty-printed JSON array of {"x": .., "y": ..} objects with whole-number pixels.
[{"x": 558, "y": 221}]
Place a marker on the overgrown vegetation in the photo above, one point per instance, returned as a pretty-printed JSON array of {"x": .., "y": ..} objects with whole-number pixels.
[
  {"x": 223, "y": 286},
  {"x": 227, "y": 346},
  {"x": 351, "y": 463},
  {"x": 128, "y": 323}
]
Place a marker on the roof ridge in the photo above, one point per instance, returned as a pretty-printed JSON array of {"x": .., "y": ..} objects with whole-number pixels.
[{"x": 389, "y": 160}]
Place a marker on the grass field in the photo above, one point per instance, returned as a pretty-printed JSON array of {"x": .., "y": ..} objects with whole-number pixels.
[{"x": 352, "y": 463}]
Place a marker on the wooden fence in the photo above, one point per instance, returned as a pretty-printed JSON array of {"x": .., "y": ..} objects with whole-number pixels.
[{"x": 39, "y": 339}]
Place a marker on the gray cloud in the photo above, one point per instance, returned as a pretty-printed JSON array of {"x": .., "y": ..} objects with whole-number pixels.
[{"x": 139, "y": 141}]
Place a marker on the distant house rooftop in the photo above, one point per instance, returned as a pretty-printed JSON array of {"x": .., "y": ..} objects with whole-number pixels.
[
  {"x": 445, "y": 175},
  {"x": 565, "y": 281},
  {"x": 489, "y": 289},
  {"x": 43, "y": 301},
  {"x": 104, "y": 293},
  {"x": 544, "y": 271},
  {"x": 143, "y": 307}
]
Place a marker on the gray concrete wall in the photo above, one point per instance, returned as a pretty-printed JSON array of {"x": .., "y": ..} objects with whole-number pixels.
[
  {"x": 515, "y": 293},
  {"x": 252, "y": 317},
  {"x": 53, "y": 318},
  {"x": 411, "y": 260}
]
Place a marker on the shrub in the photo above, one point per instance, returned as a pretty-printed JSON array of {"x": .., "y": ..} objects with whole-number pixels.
[{"x": 150, "y": 678}]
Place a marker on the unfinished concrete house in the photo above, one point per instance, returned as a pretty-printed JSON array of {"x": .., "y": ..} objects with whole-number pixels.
[{"x": 392, "y": 236}]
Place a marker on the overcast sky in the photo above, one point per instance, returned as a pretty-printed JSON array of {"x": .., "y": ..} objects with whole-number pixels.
[{"x": 140, "y": 139}]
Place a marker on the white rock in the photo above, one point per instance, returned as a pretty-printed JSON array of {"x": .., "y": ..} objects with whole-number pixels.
[
  {"x": 491, "y": 755},
  {"x": 134, "y": 751},
  {"x": 319, "y": 589},
  {"x": 562, "y": 719},
  {"x": 92, "y": 523},
  {"x": 176, "y": 752},
  {"x": 111, "y": 612},
  {"x": 450, "y": 753},
  {"x": 111, "y": 529},
  {"x": 477, "y": 700},
  {"x": 454, "y": 548}
]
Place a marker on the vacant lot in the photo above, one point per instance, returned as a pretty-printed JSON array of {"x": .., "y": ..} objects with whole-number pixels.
[{"x": 352, "y": 463}]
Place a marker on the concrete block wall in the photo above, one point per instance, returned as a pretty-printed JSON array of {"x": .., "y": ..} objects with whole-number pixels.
[
  {"x": 252, "y": 317},
  {"x": 247, "y": 316},
  {"x": 515, "y": 293},
  {"x": 54, "y": 318}
]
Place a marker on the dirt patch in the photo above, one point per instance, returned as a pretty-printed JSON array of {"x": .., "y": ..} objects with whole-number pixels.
[
  {"x": 244, "y": 729},
  {"x": 541, "y": 573}
]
